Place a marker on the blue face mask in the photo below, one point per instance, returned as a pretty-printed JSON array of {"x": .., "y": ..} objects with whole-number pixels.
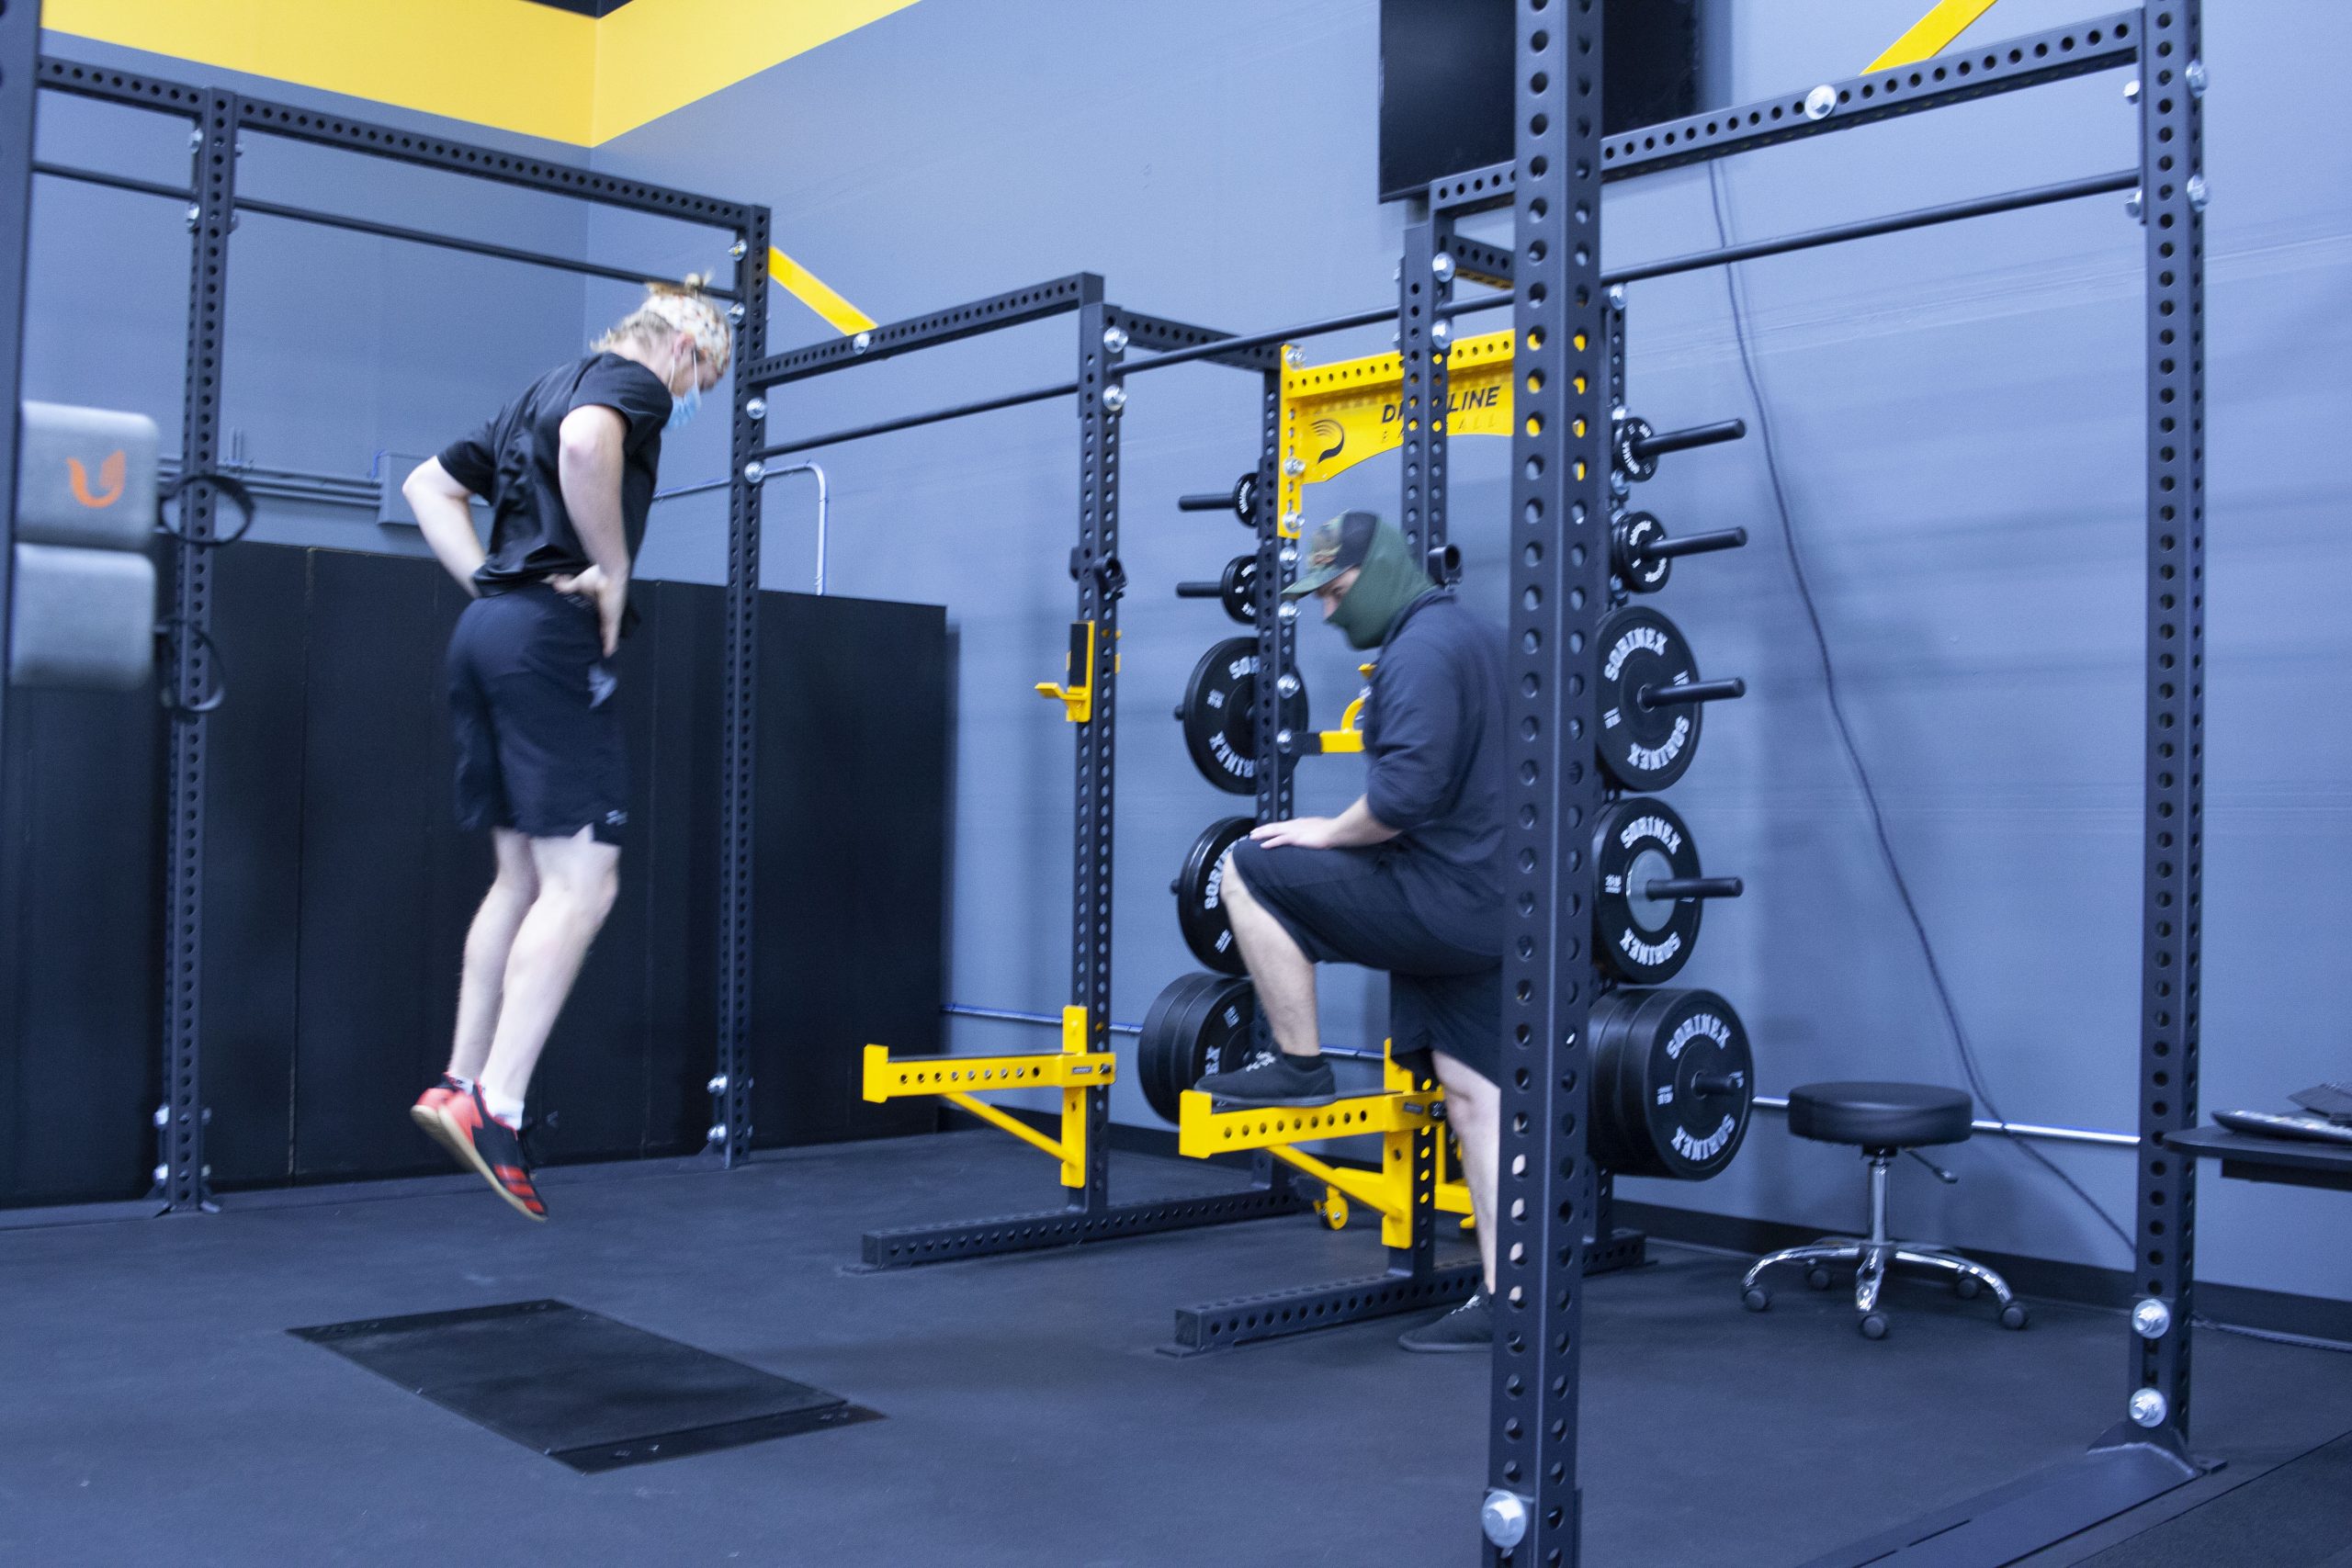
[{"x": 684, "y": 405}]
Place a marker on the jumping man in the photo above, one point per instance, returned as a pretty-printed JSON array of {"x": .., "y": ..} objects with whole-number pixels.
[
  {"x": 568, "y": 469},
  {"x": 1408, "y": 879}
]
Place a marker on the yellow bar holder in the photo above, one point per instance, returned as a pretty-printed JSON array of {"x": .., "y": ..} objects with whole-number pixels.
[
  {"x": 1075, "y": 691},
  {"x": 1074, "y": 1069}
]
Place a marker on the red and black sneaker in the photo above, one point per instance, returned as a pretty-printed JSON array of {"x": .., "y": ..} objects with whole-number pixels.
[
  {"x": 426, "y": 1113},
  {"x": 493, "y": 1149}
]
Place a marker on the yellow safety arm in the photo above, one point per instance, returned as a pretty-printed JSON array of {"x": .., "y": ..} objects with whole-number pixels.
[
  {"x": 1395, "y": 1115},
  {"x": 1074, "y": 1069}
]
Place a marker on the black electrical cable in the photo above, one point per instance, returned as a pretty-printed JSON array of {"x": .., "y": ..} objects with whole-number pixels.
[
  {"x": 1844, "y": 733},
  {"x": 2301, "y": 1341}
]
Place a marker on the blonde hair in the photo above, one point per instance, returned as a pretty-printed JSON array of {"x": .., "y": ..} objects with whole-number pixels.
[{"x": 674, "y": 307}]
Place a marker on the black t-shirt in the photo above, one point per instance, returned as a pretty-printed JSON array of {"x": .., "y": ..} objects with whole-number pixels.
[
  {"x": 512, "y": 463},
  {"x": 1433, "y": 745}
]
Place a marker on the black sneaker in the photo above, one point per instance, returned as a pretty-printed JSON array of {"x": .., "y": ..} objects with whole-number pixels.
[
  {"x": 494, "y": 1149},
  {"x": 1470, "y": 1326},
  {"x": 1286, "y": 1080}
]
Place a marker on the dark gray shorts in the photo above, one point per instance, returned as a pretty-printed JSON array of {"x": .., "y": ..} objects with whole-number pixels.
[
  {"x": 531, "y": 707},
  {"x": 1351, "y": 907}
]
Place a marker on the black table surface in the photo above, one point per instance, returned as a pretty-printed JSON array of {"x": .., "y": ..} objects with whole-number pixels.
[{"x": 2305, "y": 1154}]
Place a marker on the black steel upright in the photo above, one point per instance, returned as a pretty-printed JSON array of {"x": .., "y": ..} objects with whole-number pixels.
[
  {"x": 19, "y": 56},
  {"x": 182, "y": 1173},
  {"x": 2172, "y": 78},
  {"x": 730, "y": 1088},
  {"x": 1424, "y": 285},
  {"x": 1277, "y": 618},
  {"x": 1100, "y": 582},
  {"x": 1558, "y": 566}
]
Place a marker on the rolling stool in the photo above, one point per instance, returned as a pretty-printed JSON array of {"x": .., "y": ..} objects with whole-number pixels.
[{"x": 1883, "y": 1119}]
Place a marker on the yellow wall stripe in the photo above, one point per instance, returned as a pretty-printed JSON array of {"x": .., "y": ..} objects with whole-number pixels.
[
  {"x": 506, "y": 63},
  {"x": 811, "y": 290},
  {"x": 654, "y": 56},
  {"x": 509, "y": 64},
  {"x": 1931, "y": 34}
]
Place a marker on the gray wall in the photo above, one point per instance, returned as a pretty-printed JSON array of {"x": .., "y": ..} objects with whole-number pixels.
[
  {"x": 1958, "y": 418},
  {"x": 340, "y": 344}
]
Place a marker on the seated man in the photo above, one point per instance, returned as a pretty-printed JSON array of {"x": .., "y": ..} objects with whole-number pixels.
[{"x": 1408, "y": 879}]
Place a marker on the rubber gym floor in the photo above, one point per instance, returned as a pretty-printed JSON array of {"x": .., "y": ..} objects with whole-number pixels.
[{"x": 157, "y": 1410}]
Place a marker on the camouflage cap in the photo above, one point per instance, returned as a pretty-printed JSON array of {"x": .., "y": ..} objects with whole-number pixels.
[{"x": 1335, "y": 548}]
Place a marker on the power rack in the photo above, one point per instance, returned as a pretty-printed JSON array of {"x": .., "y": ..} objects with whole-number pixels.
[
  {"x": 218, "y": 121},
  {"x": 1560, "y": 505}
]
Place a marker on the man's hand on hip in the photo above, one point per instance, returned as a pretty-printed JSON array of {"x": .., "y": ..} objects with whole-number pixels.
[{"x": 611, "y": 594}]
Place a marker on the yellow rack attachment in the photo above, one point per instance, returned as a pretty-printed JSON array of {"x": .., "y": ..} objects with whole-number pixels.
[
  {"x": 1073, "y": 1070},
  {"x": 1075, "y": 691},
  {"x": 1337, "y": 416},
  {"x": 1395, "y": 1114}
]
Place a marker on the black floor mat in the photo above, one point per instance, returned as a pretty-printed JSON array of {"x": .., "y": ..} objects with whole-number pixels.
[
  {"x": 581, "y": 1388},
  {"x": 2298, "y": 1516}
]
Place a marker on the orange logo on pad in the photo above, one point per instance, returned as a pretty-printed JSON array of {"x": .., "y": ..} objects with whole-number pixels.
[{"x": 111, "y": 474}]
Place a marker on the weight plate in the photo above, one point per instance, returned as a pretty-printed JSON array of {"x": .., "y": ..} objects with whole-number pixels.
[
  {"x": 1631, "y": 533},
  {"x": 1158, "y": 1049},
  {"x": 1645, "y": 749},
  {"x": 1241, "y": 587},
  {"x": 1636, "y": 841},
  {"x": 1219, "y": 714},
  {"x": 1245, "y": 500},
  {"x": 1631, "y": 433},
  {"x": 1200, "y": 906},
  {"x": 1200, "y": 1025},
  {"x": 1177, "y": 1072},
  {"x": 1673, "y": 1083}
]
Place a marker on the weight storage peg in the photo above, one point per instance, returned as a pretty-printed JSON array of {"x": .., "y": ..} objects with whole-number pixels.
[
  {"x": 1638, "y": 447},
  {"x": 1237, "y": 587},
  {"x": 1651, "y": 698},
  {"x": 1646, "y": 917},
  {"x": 1219, "y": 714},
  {"x": 1241, "y": 501},
  {"x": 1643, "y": 557}
]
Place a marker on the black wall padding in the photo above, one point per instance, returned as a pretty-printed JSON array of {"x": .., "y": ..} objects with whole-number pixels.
[
  {"x": 80, "y": 1069},
  {"x": 852, "y": 857},
  {"x": 339, "y": 890}
]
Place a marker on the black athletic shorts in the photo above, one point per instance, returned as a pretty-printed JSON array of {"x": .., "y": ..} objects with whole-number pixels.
[
  {"x": 532, "y": 706},
  {"x": 1351, "y": 907}
]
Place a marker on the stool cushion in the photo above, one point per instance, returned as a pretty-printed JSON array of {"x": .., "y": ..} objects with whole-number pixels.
[{"x": 1881, "y": 1115}]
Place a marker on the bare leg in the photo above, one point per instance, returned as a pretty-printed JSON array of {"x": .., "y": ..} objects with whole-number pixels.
[
  {"x": 577, "y": 880},
  {"x": 1473, "y": 1108},
  {"x": 1285, "y": 976},
  {"x": 483, "y": 979}
]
